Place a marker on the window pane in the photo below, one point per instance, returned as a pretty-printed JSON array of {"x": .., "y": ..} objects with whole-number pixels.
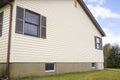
[
  {"x": 98, "y": 46},
  {"x": 30, "y": 29},
  {"x": 32, "y": 18},
  {"x": 49, "y": 66},
  {"x": 97, "y": 40}
]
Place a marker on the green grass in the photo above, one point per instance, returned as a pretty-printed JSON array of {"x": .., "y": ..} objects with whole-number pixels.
[{"x": 107, "y": 74}]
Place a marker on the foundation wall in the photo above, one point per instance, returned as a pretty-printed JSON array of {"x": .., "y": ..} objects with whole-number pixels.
[
  {"x": 38, "y": 69},
  {"x": 2, "y": 70}
]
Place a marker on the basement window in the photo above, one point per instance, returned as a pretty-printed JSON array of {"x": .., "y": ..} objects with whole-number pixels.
[
  {"x": 49, "y": 67},
  {"x": 93, "y": 64}
]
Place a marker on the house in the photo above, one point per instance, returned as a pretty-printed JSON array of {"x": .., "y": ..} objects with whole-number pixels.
[{"x": 46, "y": 37}]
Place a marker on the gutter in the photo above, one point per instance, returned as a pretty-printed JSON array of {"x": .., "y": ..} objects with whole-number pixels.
[{"x": 7, "y": 75}]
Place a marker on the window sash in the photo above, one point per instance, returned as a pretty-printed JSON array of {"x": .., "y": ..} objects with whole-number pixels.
[
  {"x": 31, "y": 29},
  {"x": 32, "y": 17},
  {"x": 32, "y": 23},
  {"x": 97, "y": 45},
  {"x": 97, "y": 40}
]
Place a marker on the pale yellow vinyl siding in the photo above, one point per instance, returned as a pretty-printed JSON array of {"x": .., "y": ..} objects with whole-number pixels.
[
  {"x": 4, "y": 37},
  {"x": 70, "y": 34}
]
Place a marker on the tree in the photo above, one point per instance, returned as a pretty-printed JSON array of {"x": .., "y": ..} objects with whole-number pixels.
[
  {"x": 113, "y": 59},
  {"x": 106, "y": 50}
]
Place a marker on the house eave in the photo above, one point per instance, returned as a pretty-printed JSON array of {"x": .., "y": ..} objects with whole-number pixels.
[
  {"x": 91, "y": 17},
  {"x": 4, "y": 2}
]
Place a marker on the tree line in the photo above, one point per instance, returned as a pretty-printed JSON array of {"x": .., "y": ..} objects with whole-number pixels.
[{"x": 111, "y": 56}]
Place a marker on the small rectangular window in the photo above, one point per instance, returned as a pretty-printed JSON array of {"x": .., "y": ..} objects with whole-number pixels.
[
  {"x": 1, "y": 23},
  {"x": 98, "y": 43},
  {"x": 50, "y": 67},
  {"x": 93, "y": 65}
]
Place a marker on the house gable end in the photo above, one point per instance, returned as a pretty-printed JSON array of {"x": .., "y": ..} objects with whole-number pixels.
[
  {"x": 83, "y": 5},
  {"x": 87, "y": 11}
]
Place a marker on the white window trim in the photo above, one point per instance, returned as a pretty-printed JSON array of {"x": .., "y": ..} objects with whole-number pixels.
[{"x": 49, "y": 70}]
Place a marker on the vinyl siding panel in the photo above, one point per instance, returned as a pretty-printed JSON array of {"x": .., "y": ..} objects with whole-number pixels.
[
  {"x": 70, "y": 34},
  {"x": 4, "y": 37}
]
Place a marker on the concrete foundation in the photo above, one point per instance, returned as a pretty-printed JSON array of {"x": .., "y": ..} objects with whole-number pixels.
[
  {"x": 38, "y": 69},
  {"x": 2, "y": 69}
]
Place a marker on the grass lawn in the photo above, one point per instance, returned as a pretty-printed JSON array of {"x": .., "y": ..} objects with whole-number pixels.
[{"x": 107, "y": 74}]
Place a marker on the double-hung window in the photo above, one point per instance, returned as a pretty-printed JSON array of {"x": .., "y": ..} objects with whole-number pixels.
[
  {"x": 98, "y": 43},
  {"x": 30, "y": 23},
  {"x": 1, "y": 22}
]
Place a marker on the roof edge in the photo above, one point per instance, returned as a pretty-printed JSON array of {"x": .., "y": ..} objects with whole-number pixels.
[
  {"x": 90, "y": 15},
  {"x": 4, "y": 2}
]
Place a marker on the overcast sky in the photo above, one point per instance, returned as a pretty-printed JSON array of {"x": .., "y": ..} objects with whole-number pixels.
[{"x": 107, "y": 13}]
